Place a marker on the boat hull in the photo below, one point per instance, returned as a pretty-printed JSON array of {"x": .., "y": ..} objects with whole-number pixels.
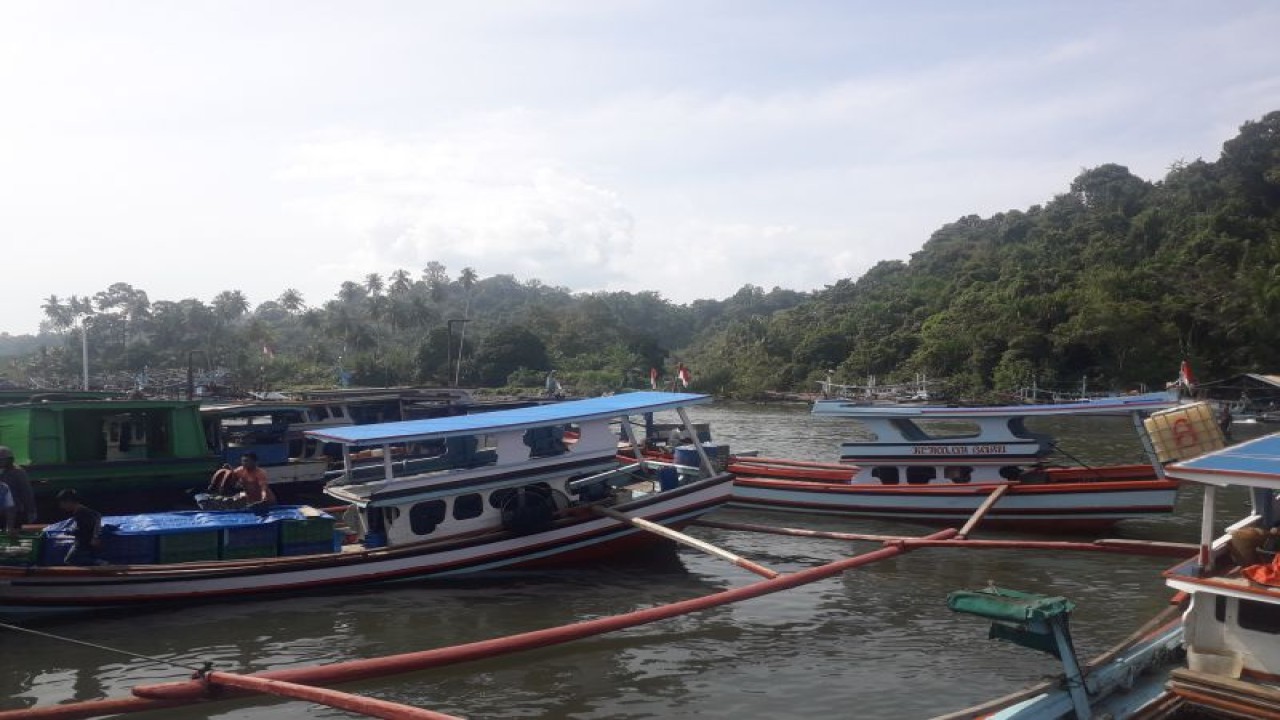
[
  {"x": 1077, "y": 506},
  {"x": 28, "y": 592}
]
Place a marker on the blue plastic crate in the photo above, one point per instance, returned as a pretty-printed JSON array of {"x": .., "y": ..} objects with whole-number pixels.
[
  {"x": 128, "y": 549},
  {"x": 54, "y": 547}
]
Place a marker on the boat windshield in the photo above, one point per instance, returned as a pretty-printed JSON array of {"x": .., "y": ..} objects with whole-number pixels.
[{"x": 938, "y": 429}]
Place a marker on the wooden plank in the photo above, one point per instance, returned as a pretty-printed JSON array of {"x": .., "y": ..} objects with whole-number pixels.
[
  {"x": 683, "y": 539},
  {"x": 981, "y": 511}
]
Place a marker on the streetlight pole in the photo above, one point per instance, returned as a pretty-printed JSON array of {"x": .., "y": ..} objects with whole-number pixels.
[
  {"x": 457, "y": 373},
  {"x": 84, "y": 348}
]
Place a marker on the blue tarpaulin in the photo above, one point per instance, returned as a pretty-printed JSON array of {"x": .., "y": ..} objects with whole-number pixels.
[
  {"x": 537, "y": 416},
  {"x": 172, "y": 522}
]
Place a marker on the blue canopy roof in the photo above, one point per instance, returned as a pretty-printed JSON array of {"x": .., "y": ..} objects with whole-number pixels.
[
  {"x": 1120, "y": 404},
  {"x": 509, "y": 420},
  {"x": 1254, "y": 463}
]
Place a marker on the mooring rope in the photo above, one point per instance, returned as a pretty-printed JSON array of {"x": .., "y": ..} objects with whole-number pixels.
[
  {"x": 199, "y": 671},
  {"x": 1082, "y": 463}
]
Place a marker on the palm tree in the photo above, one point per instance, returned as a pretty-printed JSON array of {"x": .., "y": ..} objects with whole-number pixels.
[
  {"x": 291, "y": 301},
  {"x": 401, "y": 281},
  {"x": 59, "y": 315},
  {"x": 350, "y": 293},
  {"x": 373, "y": 283},
  {"x": 230, "y": 305}
]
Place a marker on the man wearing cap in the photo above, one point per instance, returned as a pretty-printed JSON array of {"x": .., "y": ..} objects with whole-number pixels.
[
  {"x": 88, "y": 532},
  {"x": 24, "y": 499}
]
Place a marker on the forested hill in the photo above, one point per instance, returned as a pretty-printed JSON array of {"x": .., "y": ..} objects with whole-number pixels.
[{"x": 1117, "y": 279}]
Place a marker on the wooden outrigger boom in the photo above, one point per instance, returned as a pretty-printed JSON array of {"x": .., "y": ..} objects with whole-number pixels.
[{"x": 154, "y": 697}]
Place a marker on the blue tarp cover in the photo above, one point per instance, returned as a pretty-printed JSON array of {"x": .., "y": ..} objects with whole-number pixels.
[
  {"x": 170, "y": 522},
  {"x": 520, "y": 418},
  {"x": 1254, "y": 462}
]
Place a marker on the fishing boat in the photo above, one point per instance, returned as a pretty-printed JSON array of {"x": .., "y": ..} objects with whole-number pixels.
[
  {"x": 120, "y": 454},
  {"x": 1221, "y": 659},
  {"x": 543, "y": 499},
  {"x": 939, "y": 464},
  {"x": 270, "y": 431}
]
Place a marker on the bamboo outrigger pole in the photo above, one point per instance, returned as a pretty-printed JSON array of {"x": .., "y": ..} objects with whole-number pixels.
[
  {"x": 154, "y": 696},
  {"x": 1118, "y": 546},
  {"x": 367, "y": 706},
  {"x": 981, "y": 512},
  {"x": 692, "y": 542}
]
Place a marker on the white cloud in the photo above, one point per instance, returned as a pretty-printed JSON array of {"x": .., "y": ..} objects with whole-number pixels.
[{"x": 189, "y": 149}]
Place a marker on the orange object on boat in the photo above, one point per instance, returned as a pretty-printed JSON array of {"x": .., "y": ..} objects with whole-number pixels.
[{"x": 1264, "y": 573}]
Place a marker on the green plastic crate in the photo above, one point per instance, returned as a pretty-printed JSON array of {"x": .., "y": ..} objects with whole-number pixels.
[
  {"x": 183, "y": 547},
  {"x": 22, "y": 550},
  {"x": 250, "y": 552},
  {"x": 306, "y": 532}
]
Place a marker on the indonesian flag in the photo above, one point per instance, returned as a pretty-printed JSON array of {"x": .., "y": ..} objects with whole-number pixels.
[
  {"x": 682, "y": 372},
  {"x": 1185, "y": 378},
  {"x": 266, "y": 350},
  {"x": 653, "y": 378}
]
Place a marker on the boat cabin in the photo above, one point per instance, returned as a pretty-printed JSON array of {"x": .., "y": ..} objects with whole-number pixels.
[
  {"x": 270, "y": 431},
  {"x": 930, "y": 445},
  {"x": 517, "y": 470},
  {"x": 1233, "y": 622},
  {"x": 104, "y": 447}
]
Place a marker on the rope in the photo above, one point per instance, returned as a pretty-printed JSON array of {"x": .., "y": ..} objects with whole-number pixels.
[
  {"x": 1082, "y": 463},
  {"x": 200, "y": 672}
]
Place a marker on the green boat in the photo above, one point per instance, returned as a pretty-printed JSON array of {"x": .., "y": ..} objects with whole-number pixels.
[{"x": 121, "y": 455}]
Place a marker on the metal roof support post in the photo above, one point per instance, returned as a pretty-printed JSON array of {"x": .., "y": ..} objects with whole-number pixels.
[
  {"x": 386, "y": 462},
  {"x": 1206, "y": 529},
  {"x": 630, "y": 434},
  {"x": 702, "y": 452},
  {"x": 346, "y": 462}
]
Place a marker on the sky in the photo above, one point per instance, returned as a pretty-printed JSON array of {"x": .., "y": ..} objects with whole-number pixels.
[{"x": 684, "y": 147}]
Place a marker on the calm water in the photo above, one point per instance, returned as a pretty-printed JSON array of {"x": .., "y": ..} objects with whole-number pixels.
[{"x": 876, "y": 643}]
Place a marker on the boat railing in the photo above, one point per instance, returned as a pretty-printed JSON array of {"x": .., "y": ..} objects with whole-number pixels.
[{"x": 627, "y": 472}]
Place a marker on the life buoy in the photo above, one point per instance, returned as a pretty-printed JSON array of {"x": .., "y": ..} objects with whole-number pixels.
[{"x": 528, "y": 510}]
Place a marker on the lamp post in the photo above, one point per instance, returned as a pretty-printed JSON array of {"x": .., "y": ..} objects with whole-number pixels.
[
  {"x": 457, "y": 373},
  {"x": 84, "y": 348}
]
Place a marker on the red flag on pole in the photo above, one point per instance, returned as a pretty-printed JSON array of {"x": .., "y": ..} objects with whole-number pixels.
[
  {"x": 682, "y": 372},
  {"x": 1185, "y": 377},
  {"x": 653, "y": 378}
]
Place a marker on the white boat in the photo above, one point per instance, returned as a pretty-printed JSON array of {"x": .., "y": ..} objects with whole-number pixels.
[
  {"x": 534, "y": 504},
  {"x": 1223, "y": 659},
  {"x": 938, "y": 464}
]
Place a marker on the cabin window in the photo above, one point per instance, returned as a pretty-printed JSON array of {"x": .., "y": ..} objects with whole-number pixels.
[
  {"x": 336, "y": 411},
  {"x": 886, "y": 474},
  {"x": 958, "y": 473},
  {"x": 466, "y": 507},
  {"x": 425, "y": 516},
  {"x": 545, "y": 441},
  {"x": 920, "y": 475},
  {"x": 1220, "y": 608},
  {"x": 1258, "y": 616},
  {"x": 498, "y": 498}
]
